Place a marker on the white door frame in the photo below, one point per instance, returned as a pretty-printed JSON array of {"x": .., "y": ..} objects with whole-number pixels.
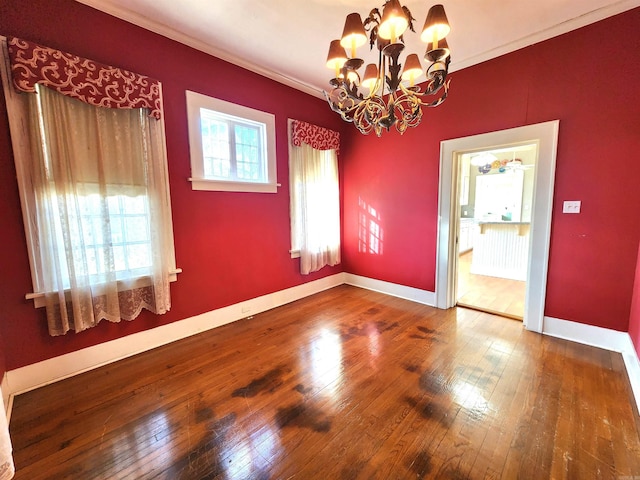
[{"x": 546, "y": 136}]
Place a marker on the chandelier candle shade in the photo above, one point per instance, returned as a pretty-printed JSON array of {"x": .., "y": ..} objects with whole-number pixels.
[{"x": 387, "y": 95}]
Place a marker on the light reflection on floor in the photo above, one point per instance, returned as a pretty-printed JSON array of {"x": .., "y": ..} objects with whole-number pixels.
[
  {"x": 326, "y": 363},
  {"x": 251, "y": 453},
  {"x": 470, "y": 397},
  {"x": 373, "y": 335}
]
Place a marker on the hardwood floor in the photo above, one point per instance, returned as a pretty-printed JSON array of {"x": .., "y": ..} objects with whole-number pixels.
[
  {"x": 501, "y": 296},
  {"x": 345, "y": 384}
]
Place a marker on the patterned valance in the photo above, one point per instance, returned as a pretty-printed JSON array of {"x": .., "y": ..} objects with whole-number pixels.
[
  {"x": 319, "y": 138},
  {"x": 91, "y": 82}
]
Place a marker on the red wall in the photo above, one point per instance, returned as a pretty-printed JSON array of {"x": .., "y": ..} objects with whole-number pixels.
[
  {"x": 634, "y": 319},
  {"x": 597, "y": 100},
  {"x": 231, "y": 246}
]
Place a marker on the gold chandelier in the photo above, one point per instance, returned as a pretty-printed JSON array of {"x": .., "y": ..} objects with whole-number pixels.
[{"x": 404, "y": 100}]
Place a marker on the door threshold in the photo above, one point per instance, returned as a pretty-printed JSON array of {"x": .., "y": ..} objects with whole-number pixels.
[{"x": 492, "y": 312}]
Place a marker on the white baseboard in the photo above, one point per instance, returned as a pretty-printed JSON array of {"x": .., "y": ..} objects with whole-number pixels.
[
  {"x": 632, "y": 362},
  {"x": 586, "y": 334},
  {"x": 602, "y": 338},
  {"x": 409, "y": 293},
  {"x": 48, "y": 371},
  {"x": 54, "y": 369}
]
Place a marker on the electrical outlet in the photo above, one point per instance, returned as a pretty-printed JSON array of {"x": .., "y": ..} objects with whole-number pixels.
[{"x": 571, "y": 206}]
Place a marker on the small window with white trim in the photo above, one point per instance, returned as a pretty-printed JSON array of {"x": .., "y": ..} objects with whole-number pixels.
[{"x": 232, "y": 147}]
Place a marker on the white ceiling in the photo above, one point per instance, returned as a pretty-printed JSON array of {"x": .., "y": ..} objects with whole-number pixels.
[{"x": 288, "y": 40}]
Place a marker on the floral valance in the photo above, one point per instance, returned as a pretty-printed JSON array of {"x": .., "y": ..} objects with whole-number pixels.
[
  {"x": 91, "y": 82},
  {"x": 319, "y": 138}
]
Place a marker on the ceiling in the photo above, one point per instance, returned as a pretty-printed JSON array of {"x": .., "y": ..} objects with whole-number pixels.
[{"x": 288, "y": 40}]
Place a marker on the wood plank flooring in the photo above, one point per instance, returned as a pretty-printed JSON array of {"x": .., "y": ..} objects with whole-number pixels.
[
  {"x": 345, "y": 384},
  {"x": 501, "y": 296}
]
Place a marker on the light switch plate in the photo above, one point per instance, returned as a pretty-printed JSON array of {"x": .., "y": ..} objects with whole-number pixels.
[{"x": 571, "y": 206}]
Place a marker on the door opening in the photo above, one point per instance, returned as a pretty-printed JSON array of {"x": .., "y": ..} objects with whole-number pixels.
[
  {"x": 545, "y": 137},
  {"x": 493, "y": 227}
]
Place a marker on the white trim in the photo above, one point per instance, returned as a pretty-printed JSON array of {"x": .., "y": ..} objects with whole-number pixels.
[
  {"x": 586, "y": 334},
  {"x": 632, "y": 362},
  {"x": 231, "y": 113},
  {"x": 546, "y": 136},
  {"x": 402, "y": 291},
  {"x": 171, "y": 33},
  {"x": 52, "y": 370},
  {"x": 39, "y": 297},
  {"x": 551, "y": 32},
  {"x": 604, "y": 338}
]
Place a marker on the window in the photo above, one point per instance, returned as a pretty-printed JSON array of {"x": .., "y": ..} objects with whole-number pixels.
[
  {"x": 232, "y": 147},
  {"x": 315, "y": 196},
  {"x": 93, "y": 184},
  {"x": 119, "y": 226}
]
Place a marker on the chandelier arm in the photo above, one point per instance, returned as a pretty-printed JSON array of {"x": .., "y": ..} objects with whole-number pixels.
[
  {"x": 353, "y": 93},
  {"x": 368, "y": 113},
  {"x": 440, "y": 83},
  {"x": 436, "y": 84},
  {"x": 442, "y": 97},
  {"x": 409, "y": 112},
  {"x": 340, "y": 105}
]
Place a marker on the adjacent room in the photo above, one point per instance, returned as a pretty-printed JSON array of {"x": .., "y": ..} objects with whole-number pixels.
[{"x": 227, "y": 254}]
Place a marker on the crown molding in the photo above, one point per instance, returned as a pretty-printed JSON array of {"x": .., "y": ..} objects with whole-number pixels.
[
  {"x": 554, "y": 31},
  {"x": 169, "y": 32},
  {"x": 172, "y": 34}
]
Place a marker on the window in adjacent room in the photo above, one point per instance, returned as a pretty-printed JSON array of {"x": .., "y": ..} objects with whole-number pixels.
[
  {"x": 232, "y": 147},
  {"x": 315, "y": 195},
  {"x": 91, "y": 163}
]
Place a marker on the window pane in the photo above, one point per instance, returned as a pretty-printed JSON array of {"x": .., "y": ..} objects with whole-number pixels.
[
  {"x": 133, "y": 205},
  {"x": 119, "y": 258},
  {"x": 215, "y": 146},
  {"x": 117, "y": 229},
  {"x": 89, "y": 204},
  {"x": 92, "y": 230},
  {"x": 249, "y": 163},
  {"x": 136, "y": 229},
  {"x": 138, "y": 256},
  {"x": 124, "y": 236}
]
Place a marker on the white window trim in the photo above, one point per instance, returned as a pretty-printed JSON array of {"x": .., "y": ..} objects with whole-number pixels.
[
  {"x": 295, "y": 253},
  {"x": 144, "y": 281},
  {"x": 196, "y": 101}
]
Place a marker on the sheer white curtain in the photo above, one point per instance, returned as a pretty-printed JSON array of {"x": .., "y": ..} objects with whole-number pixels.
[
  {"x": 101, "y": 211},
  {"x": 7, "y": 467},
  {"x": 315, "y": 206},
  {"x": 94, "y": 193}
]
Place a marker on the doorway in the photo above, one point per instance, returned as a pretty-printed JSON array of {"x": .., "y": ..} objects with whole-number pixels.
[
  {"x": 493, "y": 227},
  {"x": 545, "y": 136}
]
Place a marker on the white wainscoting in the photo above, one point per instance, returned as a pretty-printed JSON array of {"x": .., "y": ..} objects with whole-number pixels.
[{"x": 501, "y": 250}]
